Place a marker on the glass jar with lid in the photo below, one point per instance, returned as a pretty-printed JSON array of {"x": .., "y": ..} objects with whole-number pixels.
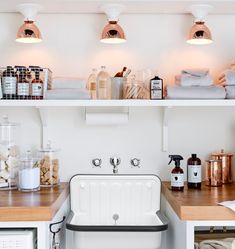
[
  {"x": 134, "y": 89},
  {"x": 9, "y": 154},
  {"x": 29, "y": 173},
  {"x": 49, "y": 166}
]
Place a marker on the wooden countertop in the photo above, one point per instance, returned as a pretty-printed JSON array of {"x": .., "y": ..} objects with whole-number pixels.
[
  {"x": 32, "y": 206},
  {"x": 201, "y": 204}
]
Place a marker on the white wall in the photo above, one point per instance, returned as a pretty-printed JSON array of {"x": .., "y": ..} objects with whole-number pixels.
[{"x": 71, "y": 47}]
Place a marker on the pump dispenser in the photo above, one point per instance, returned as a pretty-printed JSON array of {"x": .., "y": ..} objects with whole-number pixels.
[{"x": 177, "y": 174}]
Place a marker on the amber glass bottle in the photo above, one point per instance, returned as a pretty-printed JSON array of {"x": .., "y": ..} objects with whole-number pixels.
[
  {"x": 177, "y": 174},
  {"x": 194, "y": 172}
]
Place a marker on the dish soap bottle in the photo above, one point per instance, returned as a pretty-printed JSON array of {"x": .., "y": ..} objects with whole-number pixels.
[
  {"x": 194, "y": 172},
  {"x": 177, "y": 174},
  {"x": 91, "y": 84},
  {"x": 104, "y": 84}
]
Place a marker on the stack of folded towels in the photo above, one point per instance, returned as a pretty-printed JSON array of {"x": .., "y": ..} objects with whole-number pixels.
[
  {"x": 228, "y": 243},
  {"x": 227, "y": 79},
  {"x": 68, "y": 88},
  {"x": 195, "y": 84}
]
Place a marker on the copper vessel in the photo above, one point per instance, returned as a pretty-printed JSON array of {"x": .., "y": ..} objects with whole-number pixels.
[
  {"x": 214, "y": 173},
  {"x": 226, "y": 165}
]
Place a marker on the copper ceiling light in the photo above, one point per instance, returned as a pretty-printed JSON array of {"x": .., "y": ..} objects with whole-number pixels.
[
  {"x": 200, "y": 33},
  {"x": 113, "y": 32},
  {"x": 28, "y": 32}
]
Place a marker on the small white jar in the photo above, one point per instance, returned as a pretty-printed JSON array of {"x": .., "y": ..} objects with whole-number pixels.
[{"x": 29, "y": 174}]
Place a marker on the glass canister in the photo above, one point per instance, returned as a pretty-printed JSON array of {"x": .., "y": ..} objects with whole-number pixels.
[
  {"x": 29, "y": 174},
  {"x": 49, "y": 166},
  {"x": 9, "y": 154},
  {"x": 226, "y": 165}
]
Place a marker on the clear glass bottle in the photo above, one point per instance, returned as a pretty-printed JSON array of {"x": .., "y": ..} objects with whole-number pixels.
[
  {"x": 91, "y": 83},
  {"x": 29, "y": 174},
  {"x": 9, "y": 154},
  {"x": 49, "y": 167},
  {"x": 104, "y": 84}
]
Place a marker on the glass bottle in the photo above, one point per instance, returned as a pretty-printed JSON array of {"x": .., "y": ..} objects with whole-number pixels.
[
  {"x": 9, "y": 154},
  {"x": 104, "y": 84},
  {"x": 37, "y": 84},
  {"x": 49, "y": 167},
  {"x": 29, "y": 174},
  {"x": 194, "y": 172},
  {"x": 9, "y": 80},
  {"x": 91, "y": 83},
  {"x": 22, "y": 84}
]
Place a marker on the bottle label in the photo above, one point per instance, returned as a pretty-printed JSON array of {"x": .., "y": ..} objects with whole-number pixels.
[
  {"x": 37, "y": 89},
  {"x": 102, "y": 84},
  {"x": 9, "y": 85},
  {"x": 23, "y": 89},
  {"x": 156, "y": 89},
  {"x": 194, "y": 174},
  {"x": 177, "y": 180}
]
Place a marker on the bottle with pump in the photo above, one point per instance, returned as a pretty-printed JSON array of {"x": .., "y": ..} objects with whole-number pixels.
[
  {"x": 91, "y": 83},
  {"x": 177, "y": 174},
  {"x": 194, "y": 172},
  {"x": 103, "y": 84}
]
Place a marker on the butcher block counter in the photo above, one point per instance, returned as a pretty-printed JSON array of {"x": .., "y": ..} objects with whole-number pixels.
[
  {"x": 201, "y": 204},
  {"x": 32, "y": 206}
]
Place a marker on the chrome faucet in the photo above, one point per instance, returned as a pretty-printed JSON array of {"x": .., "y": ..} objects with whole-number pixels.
[{"x": 115, "y": 161}]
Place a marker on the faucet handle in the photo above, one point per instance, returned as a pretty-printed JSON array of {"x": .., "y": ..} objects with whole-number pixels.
[
  {"x": 115, "y": 161},
  {"x": 135, "y": 162},
  {"x": 97, "y": 162}
]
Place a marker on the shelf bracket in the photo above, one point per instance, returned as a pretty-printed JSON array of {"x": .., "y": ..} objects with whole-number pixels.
[
  {"x": 165, "y": 122},
  {"x": 43, "y": 113}
]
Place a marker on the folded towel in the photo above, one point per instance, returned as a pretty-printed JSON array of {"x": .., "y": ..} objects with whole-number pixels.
[
  {"x": 196, "y": 72},
  {"x": 230, "y": 92},
  {"x": 229, "y": 77},
  {"x": 62, "y": 82},
  {"x": 228, "y": 243},
  {"x": 195, "y": 92},
  {"x": 189, "y": 80},
  {"x": 68, "y": 94}
]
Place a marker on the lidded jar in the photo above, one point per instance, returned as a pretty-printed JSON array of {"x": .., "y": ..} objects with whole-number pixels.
[
  {"x": 9, "y": 154},
  {"x": 49, "y": 166},
  {"x": 29, "y": 173}
]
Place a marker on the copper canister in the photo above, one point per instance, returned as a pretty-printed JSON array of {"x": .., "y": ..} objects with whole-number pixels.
[
  {"x": 226, "y": 165},
  {"x": 214, "y": 173}
]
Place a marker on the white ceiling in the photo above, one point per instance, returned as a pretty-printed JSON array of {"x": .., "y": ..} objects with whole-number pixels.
[{"x": 132, "y": 6}]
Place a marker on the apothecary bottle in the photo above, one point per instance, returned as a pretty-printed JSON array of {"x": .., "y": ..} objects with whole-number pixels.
[
  {"x": 91, "y": 84},
  {"x": 9, "y": 80},
  {"x": 23, "y": 85},
  {"x": 49, "y": 166},
  {"x": 104, "y": 84},
  {"x": 9, "y": 154},
  {"x": 29, "y": 173}
]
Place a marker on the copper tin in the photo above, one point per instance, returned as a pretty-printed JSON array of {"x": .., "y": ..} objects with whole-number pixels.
[
  {"x": 226, "y": 165},
  {"x": 214, "y": 173}
]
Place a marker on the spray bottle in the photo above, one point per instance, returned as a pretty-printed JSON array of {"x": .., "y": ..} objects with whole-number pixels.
[{"x": 177, "y": 174}]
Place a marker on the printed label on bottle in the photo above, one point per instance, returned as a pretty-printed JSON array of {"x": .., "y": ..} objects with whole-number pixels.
[
  {"x": 194, "y": 174},
  {"x": 23, "y": 89},
  {"x": 9, "y": 85},
  {"x": 102, "y": 84},
  {"x": 156, "y": 84},
  {"x": 37, "y": 89},
  {"x": 177, "y": 180}
]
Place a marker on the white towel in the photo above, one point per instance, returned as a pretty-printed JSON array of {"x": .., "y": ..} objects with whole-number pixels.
[
  {"x": 196, "y": 92},
  {"x": 196, "y": 72},
  {"x": 63, "y": 82},
  {"x": 68, "y": 94},
  {"x": 229, "y": 77},
  {"x": 230, "y": 92},
  {"x": 189, "y": 80},
  {"x": 228, "y": 243}
]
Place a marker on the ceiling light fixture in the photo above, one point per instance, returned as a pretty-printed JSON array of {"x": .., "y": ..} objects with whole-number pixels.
[
  {"x": 112, "y": 32},
  {"x": 200, "y": 33},
  {"x": 29, "y": 32}
]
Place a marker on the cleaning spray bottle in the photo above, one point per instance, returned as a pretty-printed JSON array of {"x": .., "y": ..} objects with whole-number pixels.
[{"x": 177, "y": 174}]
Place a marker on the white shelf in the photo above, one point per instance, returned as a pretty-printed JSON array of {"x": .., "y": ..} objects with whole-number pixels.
[{"x": 116, "y": 103}]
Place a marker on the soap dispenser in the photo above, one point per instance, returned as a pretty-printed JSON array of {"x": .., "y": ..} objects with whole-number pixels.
[{"x": 177, "y": 174}]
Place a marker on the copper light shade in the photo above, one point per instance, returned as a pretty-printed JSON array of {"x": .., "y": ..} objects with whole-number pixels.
[
  {"x": 113, "y": 33},
  {"x": 199, "y": 34},
  {"x": 29, "y": 33}
]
